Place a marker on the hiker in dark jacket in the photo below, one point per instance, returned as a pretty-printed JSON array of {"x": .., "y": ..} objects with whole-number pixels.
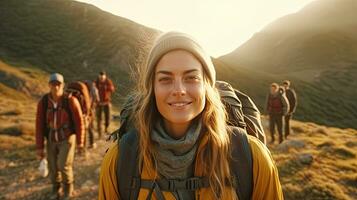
[
  {"x": 277, "y": 106},
  {"x": 292, "y": 98},
  {"x": 105, "y": 89},
  {"x": 59, "y": 119}
]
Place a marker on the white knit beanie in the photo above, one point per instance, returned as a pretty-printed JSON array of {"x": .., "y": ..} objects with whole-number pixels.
[{"x": 179, "y": 41}]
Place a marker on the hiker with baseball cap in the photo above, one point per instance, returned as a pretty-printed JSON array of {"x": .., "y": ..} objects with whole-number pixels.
[
  {"x": 59, "y": 120},
  {"x": 277, "y": 106},
  {"x": 105, "y": 89},
  {"x": 292, "y": 98},
  {"x": 180, "y": 146}
]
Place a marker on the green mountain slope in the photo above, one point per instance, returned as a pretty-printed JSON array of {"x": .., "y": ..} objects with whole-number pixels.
[
  {"x": 73, "y": 38},
  {"x": 320, "y": 36},
  {"x": 316, "y": 48}
]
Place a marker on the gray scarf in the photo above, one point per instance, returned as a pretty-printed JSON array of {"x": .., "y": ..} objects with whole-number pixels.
[{"x": 175, "y": 157}]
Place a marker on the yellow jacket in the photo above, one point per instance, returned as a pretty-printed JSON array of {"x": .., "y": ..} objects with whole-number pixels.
[{"x": 266, "y": 184}]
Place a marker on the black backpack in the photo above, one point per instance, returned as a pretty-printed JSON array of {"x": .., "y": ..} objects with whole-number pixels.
[
  {"x": 242, "y": 112},
  {"x": 130, "y": 182},
  {"x": 243, "y": 118}
]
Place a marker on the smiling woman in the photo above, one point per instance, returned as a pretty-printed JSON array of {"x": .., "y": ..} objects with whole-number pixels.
[
  {"x": 184, "y": 145},
  {"x": 179, "y": 91}
]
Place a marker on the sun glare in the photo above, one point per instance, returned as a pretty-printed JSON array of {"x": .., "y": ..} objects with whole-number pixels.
[{"x": 221, "y": 26}]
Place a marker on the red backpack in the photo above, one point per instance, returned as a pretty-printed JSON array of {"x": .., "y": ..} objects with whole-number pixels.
[{"x": 81, "y": 92}]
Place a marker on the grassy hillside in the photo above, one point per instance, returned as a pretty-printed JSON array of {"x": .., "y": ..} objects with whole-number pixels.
[
  {"x": 316, "y": 48},
  {"x": 19, "y": 81},
  {"x": 72, "y": 38},
  {"x": 319, "y": 36},
  {"x": 317, "y": 162}
]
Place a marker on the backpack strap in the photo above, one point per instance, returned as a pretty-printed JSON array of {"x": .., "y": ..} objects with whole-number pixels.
[
  {"x": 127, "y": 166},
  {"x": 172, "y": 185},
  {"x": 241, "y": 163},
  {"x": 65, "y": 106},
  {"x": 44, "y": 114}
]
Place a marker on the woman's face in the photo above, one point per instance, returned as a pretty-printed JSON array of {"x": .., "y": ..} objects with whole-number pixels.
[{"x": 179, "y": 89}]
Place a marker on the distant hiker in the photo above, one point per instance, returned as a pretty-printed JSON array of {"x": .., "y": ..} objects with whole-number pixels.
[
  {"x": 94, "y": 99},
  {"x": 277, "y": 106},
  {"x": 105, "y": 88},
  {"x": 180, "y": 146},
  {"x": 292, "y": 98},
  {"x": 59, "y": 119}
]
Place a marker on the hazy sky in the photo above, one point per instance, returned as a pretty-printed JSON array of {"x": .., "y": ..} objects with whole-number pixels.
[{"x": 219, "y": 25}]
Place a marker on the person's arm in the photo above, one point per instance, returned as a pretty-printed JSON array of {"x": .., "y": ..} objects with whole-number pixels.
[
  {"x": 96, "y": 83},
  {"x": 285, "y": 103},
  {"x": 108, "y": 187},
  {"x": 96, "y": 95},
  {"x": 294, "y": 101},
  {"x": 78, "y": 122},
  {"x": 40, "y": 129},
  {"x": 266, "y": 184},
  {"x": 111, "y": 87}
]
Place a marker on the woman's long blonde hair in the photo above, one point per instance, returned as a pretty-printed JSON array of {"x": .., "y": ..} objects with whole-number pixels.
[{"x": 217, "y": 150}]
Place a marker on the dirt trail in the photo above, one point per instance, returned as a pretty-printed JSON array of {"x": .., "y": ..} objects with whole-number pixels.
[{"x": 20, "y": 178}]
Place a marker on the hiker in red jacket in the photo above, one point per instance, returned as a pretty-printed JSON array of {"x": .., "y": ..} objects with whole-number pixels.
[
  {"x": 277, "y": 106},
  {"x": 105, "y": 88},
  {"x": 59, "y": 119},
  {"x": 292, "y": 98}
]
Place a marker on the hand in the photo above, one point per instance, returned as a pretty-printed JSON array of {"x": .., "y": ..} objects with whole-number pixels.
[
  {"x": 80, "y": 149},
  {"x": 80, "y": 146},
  {"x": 40, "y": 154}
]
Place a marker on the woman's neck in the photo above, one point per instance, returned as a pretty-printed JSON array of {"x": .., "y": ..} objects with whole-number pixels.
[{"x": 176, "y": 131}]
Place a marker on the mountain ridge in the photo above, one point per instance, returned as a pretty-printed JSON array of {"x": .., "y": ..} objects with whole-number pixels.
[{"x": 315, "y": 48}]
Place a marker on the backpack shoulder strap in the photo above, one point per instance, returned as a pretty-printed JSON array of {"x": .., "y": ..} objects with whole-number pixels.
[
  {"x": 127, "y": 166},
  {"x": 44, "y": 103},
  {"x": 44, "y": 108},
  {"x": 66, "y": 107},
  {"x": 242, "y": 163}
]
